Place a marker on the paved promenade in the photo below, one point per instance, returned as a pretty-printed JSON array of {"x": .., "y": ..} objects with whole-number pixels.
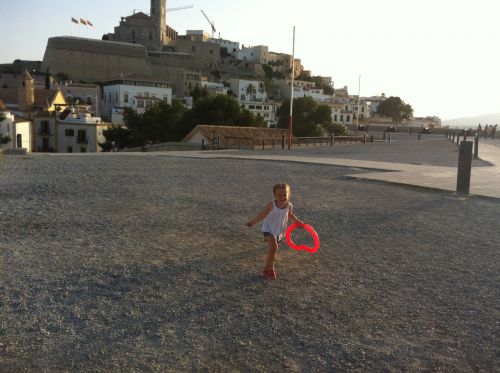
[{"x": 397, "y": 162}]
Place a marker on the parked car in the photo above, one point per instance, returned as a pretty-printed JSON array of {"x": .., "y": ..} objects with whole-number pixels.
[
  {"x": 425, "y": 130},
  {"x": 390, "y": 129}
]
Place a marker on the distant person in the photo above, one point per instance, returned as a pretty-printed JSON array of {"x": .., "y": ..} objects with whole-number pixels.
[
  {"x": 275, "y": 216},
  {"x": 493, "y": 130},
  {"x": 486, "y": 131},
  {"x": 479, "y": 130}
]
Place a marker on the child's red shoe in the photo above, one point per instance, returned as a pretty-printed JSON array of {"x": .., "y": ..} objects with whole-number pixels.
[{"x": 271, "y": 274}]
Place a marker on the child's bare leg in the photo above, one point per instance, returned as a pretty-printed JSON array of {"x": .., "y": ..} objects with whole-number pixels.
[{"x": 273, "y": 248}]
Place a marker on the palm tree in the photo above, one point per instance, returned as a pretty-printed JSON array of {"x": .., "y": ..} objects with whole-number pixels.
[{"x": 251, "y": 90}]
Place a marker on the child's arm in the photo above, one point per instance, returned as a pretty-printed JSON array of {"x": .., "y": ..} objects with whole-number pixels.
[
  {"x": 292, "y": 216},
  {"x": 261, "y": 215}
]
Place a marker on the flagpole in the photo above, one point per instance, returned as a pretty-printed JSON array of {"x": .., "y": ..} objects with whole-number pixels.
[
  {"x": 357, "y": 114},
  {"x": 291, "y": 95}
]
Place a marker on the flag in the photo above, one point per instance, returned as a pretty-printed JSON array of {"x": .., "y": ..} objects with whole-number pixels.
[
  {"x": 89, "y": 23},
  {"x": 74, "y": 20},
  {"x": 82, "y": 21}
]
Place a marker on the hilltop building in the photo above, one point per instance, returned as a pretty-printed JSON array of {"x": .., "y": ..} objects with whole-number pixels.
[{"x": 133, "y": 91}]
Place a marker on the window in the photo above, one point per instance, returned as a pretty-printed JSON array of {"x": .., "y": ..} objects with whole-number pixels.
[
  {"x": 140, "y": 103},
  {"x": 44, "y": 127},
  {"x": 146, "y": 94},
  {"x": 82, "y": 137},
  {"x": 125, "y": 96},
  {"x": 70, "y": 149},
  {"x": 193, "y": 49},
  {"x": 348, "y": 118},
  {"x": 83, "y": 150},
  {"x": 69, "y": 133}
]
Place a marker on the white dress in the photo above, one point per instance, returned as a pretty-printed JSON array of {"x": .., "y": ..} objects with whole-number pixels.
[{"x": 276, "y": 221}]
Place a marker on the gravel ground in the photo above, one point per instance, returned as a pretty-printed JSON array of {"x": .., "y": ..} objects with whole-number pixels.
[{"x": 143, "y": 263}]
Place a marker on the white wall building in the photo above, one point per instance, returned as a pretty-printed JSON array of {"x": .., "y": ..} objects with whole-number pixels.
[
  {"x": 317, "y": 95},
  {"x": 137, "y": 93},
  {"x": 266, "y": 110},
  {"x": 79, "y": 132},
  {"x": 83, "y": 94},
  {"x": 232, "y": 47},
  {"x": 19, "y": 132},
  {"x": 259, "y": 53},
  {"x": 214, "y": 87},
  {"x": 248, "y": 90}
]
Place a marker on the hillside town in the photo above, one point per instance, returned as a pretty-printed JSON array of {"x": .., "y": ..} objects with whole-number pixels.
[{"x": 83, "y": 86}]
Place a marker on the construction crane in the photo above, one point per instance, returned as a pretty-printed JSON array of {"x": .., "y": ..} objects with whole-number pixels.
[
  {"x": 179, "y": 8},
  {"x": 168, "y": 10},
  {"x": 211, "y": 23}
]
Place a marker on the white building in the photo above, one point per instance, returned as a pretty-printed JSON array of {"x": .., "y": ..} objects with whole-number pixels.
[
  {"x": 83, "y": 94},
  {"x": 248, "y": 90},
  {"x": 317, "y": 95},
  {"x": 259, "y": 53},
  {"x": 136, "y": 92},
  {"x": 232, "y": 47},
  {"x": 266, "y": 110},
  {"x": 15, "y": 132},
  {"x": 79, "y": 132},
  {"x": 214, "y": 88}
]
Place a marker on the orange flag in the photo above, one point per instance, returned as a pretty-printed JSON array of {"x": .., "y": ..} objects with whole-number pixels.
[
  {"x": 89, "y": 23},
  {"x": 82, "y": 21}
]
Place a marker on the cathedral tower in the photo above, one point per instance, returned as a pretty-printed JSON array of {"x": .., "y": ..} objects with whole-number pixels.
[
  {"x": 26, "y": 93},
  {"x": 159, "y": 21}
]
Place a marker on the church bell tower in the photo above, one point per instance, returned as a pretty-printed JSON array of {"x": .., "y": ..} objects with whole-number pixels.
[{"x": 159, "y": 21}]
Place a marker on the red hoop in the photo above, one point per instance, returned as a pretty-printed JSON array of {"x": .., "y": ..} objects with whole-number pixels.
[{"x": 308, "y": 228}]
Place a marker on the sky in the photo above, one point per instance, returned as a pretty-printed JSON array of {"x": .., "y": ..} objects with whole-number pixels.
[{"x": 440, "y": 56}]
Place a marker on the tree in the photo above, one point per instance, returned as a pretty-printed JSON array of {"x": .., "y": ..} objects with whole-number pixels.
[
  {"x": 219, "y": 110},
  {"x": 308, "y": 116},
  {"x": 198, "y": 93},
  {"x": 251, "y": 91},
  {"x": 117, "y": 137},
  {"x": 395, "y": 108}
]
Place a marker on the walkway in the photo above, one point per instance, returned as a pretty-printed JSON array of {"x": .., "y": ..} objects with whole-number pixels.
[{"x": 485, "y": 181}]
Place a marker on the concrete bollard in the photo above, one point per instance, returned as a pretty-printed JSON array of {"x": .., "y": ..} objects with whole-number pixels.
[
  {"x": 453, "y": 138},
  {"x": 458, "y": 140},
  {"x": 283, "y": 142},
  {"x": 364, "y": 139},
  {"x": 383, "y": 135},
  {"x": 389, "y": 137},
  {"x": 464, "y": 167},
  {"x": 476, "y": 147},
  {"x": 411, "y": 131},
  {"x": 419, "y": 135}
]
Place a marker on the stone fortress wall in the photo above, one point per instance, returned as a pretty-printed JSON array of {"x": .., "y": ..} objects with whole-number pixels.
[{"x": 92, "y": 60}]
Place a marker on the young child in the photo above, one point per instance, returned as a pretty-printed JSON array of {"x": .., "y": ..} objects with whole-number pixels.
[{"x": 275, "y": 216}]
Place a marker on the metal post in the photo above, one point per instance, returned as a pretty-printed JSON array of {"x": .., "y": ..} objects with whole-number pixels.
[
  {"x": 476, "y": 146},
  {"x": 365, "y": 138},
  {"x": 389, "y": 137},
  {"x": 283, "y": 142},
  {"x": 384, "y": 136},
  {"x": 464, "y": 167},
  {"x": 453, "y": 138},
  {"x": 419, "y": 135}
]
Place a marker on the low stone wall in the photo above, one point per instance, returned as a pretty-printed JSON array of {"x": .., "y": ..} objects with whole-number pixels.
[
  {"x": 165, "y": 146},
  {"x": 15, "y": 151}
]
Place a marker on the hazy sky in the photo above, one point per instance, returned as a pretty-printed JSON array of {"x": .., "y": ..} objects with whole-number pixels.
[{"x": 440, "y": 56}]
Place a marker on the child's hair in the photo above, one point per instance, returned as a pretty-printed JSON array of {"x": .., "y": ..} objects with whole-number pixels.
[{"x": 282, "y": 186}]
